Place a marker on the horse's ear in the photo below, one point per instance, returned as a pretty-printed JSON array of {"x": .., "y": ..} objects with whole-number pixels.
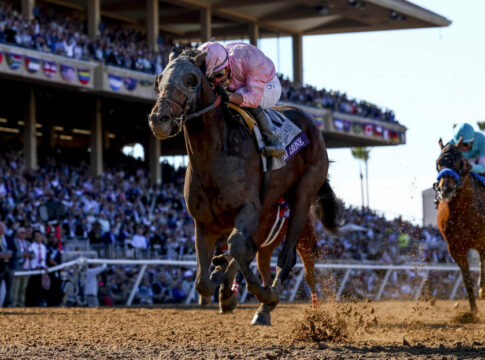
[
  {"x": 441, "y": 144},
  {"x": 199, "y": 59},
  {"x": 174, "y": 53},
  {"x": 458, "y": 144},
  {"x": 156, "y": 83}
]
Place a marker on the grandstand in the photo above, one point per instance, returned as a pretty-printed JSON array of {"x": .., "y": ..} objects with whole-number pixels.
[{"x": 77, "y": 83}]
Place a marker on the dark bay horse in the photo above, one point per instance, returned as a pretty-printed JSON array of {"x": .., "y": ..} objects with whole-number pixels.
[
  {"x": 461, "y": 213},
  {"x": 226, "y": 190}
]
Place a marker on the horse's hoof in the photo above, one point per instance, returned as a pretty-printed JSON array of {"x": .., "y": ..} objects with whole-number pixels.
[
  {"x": 261, "y": 319},
  {"x": 481, "y": 292},
  {"x": 204, "y": 300},
  {"x": 227, "y": 305},
  {"x": 221, "y": 260}
]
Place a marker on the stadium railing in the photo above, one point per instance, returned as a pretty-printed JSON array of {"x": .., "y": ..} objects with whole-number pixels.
[{"x": 421, "y": 270}]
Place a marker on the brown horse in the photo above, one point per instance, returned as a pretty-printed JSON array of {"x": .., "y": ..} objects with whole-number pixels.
[
  {"x": 226, "y": 190},
  {"x": 461, "y": 213}
]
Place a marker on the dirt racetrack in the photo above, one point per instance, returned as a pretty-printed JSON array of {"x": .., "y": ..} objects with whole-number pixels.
[{"x": 384, "y": 330}]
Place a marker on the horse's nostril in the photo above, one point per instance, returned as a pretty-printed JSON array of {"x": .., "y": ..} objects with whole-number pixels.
[{"x": 165, "y": 118}]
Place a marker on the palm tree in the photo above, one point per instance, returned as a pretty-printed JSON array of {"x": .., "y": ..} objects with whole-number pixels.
[
  {"x": 481, "y": 125},
  {"x": 362, "y": 153}
]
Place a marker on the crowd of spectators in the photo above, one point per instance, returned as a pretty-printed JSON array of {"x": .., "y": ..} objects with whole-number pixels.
[
  {"x": 332, "y": 100},
  {"x": 120, "y": 214},
  {"x": 65, "y": 33}
]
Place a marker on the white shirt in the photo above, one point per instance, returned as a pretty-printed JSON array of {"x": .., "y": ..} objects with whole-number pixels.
[
  {"x": 39, "y": 252},
  {"x": 91, "y": 287},
  {"x": 139, "y": 241}
]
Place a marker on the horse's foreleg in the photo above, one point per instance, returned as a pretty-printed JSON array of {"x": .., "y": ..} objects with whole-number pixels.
[
  {"x": 462, "y": 262},
  {"x": 227, "y": 297},
  {"x": 204, "y": 246},
  {"x": 243, "y": 249},
  {"x": 481, "y": 292}
]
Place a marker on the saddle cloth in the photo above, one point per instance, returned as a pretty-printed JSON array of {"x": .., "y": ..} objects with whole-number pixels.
[{"x": 290, "y": 135}]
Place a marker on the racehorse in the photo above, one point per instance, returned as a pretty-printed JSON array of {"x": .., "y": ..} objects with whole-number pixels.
[
  {"x": 226, "y": 191},
  {"x": 461, "y": 213}
]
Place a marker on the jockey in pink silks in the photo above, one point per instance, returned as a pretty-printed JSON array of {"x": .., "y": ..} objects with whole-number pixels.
[{"x": 251, "y": 81}]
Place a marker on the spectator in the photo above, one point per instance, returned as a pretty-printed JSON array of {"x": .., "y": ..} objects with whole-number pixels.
[
  {"x": 91, "y": 285},
  {"x": 24, "y": 256},
  {"x": 7, "y": 265},
  {"x": 37, "y": 287},
  {"x": 54, "y": 258}
]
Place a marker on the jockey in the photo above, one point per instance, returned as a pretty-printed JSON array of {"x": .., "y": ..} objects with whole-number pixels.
[
  {"x": 252, "y": 82},
  {"x": 473, "y": 146}
]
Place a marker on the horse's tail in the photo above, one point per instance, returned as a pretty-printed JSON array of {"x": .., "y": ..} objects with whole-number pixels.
[{"x": 328, "y": 208}]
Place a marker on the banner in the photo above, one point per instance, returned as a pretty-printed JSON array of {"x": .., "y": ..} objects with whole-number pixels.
[
  {"x": 84, "y": 75},
  {"x": 357, "y": 128},
  {"x": 130, "y": 83},
  {"x": 145, "y": 82},
  {"x": 14, "y": 60},
  {"x": 32, "y": 64},
  {"x": 67, "y": 72},
  {"x": 1, "y": 57},
  {"x": 377, "y": 130},
  {"x": 369, "y": 129},
  {"x": 115, "y": 82},
  {"x": 50, "y": 68},
  {"x": 339, "y": 124}
]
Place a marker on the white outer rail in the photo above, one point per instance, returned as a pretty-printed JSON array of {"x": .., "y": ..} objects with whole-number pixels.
[{"x": 191, "y": 263}]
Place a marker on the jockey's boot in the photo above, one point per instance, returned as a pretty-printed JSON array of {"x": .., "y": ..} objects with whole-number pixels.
[{"x": 273, "y": 144}]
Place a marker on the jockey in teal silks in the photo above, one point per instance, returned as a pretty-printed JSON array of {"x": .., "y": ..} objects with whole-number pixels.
[{"x": 473, "y": 146}]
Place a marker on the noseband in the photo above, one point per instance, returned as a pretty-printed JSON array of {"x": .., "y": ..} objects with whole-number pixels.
[
  {"x": 443, "y": 173},
  {"x": 184, "y": 116}
]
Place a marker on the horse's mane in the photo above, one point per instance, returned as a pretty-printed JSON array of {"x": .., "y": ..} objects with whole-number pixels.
[{"x": 190, "y": 52}]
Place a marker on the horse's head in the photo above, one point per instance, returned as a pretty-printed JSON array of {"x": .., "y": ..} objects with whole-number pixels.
[
  {"x": 452, "y": 168},
  {"x": 180, "y": 91}
]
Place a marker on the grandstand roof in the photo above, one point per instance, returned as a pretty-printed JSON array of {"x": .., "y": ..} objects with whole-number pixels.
[{"x": 181, "y": 18}]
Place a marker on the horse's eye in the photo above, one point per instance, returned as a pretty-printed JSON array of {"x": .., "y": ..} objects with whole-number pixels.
[{"x": 190, "y": 81}]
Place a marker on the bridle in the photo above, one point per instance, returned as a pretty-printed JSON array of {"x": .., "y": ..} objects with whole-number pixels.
[
  {"x": 184, "y": 116},
  {"x": 449, "y": 173}
]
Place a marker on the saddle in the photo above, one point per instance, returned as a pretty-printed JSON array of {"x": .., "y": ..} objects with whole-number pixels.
[{"x": 290, "y": 135}]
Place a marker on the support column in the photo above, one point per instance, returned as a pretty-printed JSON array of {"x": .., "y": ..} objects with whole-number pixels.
[
  {"x": 298, "y": 58},
  {"x": 152, "y": 16},
  {"x": 94, "y": 17},
  {"x": 96, "y": 139},
  {"x": 154, "y": 153},
  {"x": 253, "y": 34},
  {"x": 28, "y": 9},
  {"x": 30, "y": 137},
  {"x": 205, "y": 25}
]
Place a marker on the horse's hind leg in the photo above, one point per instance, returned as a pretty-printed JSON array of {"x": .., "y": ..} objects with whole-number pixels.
[
  {"x": 481, "y": 292},
  {"x": 227, "y": 297},
  {"x": 306, "y": 248},
  {"x": 243, "y": 249}
]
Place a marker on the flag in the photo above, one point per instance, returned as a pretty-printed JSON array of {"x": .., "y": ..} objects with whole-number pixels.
[
  {"x": 84, "y": 75},
  {"x": 394, "y": 137},
  {"x": 32, "y": 64},
  {"x": 402, "y": 137},
  {"x": 369, "y": 129},
  {"x": 319, "y": 121},
  {"x": 115, "y": 82},
  {"x": 67, "y": 72},
  {"x": 378, "y": 130},
  {"x": 357, "y": 128},
  {"x": 385, "y": 134},
  {"x": 130, "y": 83},
  {"x": 14, "y": 60},
  {"x": 339, "y": 124},
  {"x": 145, "y": 82},
  {"x": 50, "y": 68},
  {"x": 347, "y": 125},
  {"x": 1, "y": 57}
]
